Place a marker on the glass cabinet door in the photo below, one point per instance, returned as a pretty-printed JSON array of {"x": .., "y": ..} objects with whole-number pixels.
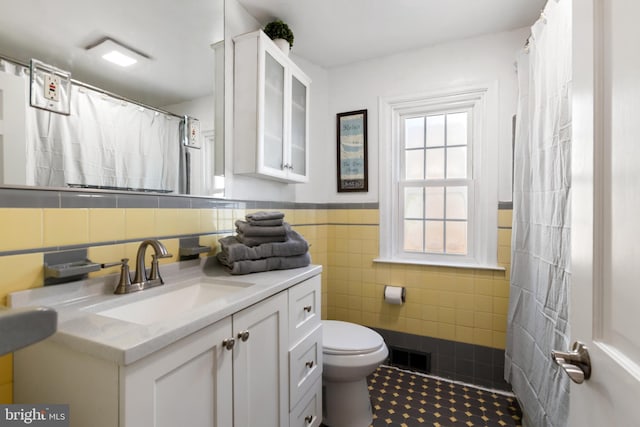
[
  {"x": 273, "y": 113},
  {"x": 298, "y": 126}
]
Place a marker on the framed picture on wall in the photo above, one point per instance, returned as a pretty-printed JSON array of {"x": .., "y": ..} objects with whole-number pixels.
[{"x": 352, "y": 151}]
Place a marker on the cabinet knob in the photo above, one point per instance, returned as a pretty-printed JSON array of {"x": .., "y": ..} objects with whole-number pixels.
[
  {"x": 307, "y": 308},
  {"x": 309, "y": 364},
  {"x": 308, "y": 419},
  {"x": 243, "y": 335},
  {"x": 228, "y": 343}
]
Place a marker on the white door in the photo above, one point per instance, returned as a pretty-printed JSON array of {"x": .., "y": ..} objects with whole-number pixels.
[{"x": 605, "y": 289}]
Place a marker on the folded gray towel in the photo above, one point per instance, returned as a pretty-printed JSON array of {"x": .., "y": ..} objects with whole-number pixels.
[
  {"x": 253, "y": 231},
  {"x": 260, "y": 240},
  {"x": 263, "y": 216},
  {"x": 234, "y": 250},
  {"x": 267, "y": 264},
  {"x": 267, "y": 222}
]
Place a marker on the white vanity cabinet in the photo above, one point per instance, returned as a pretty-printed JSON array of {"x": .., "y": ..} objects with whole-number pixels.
[
  {"x": 271, "y": 111},
  {"x": 260, "y": 366},
  {"x": 305, "y": 354},
  {"x": 191, "y": 382},
  {"x": 260, "y": 386},
  {"x": 186, "y": 383}
]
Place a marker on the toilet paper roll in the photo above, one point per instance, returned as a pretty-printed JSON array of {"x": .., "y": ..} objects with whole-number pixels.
[{"x": 394, "y": 294}]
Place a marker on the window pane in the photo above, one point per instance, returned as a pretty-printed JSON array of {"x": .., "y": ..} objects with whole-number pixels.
[
  {"x": 435, "y": 163},
  {"x": 435, "y": 131},
  {"x": 457, "y": 203},
  {"x": 434, "y": 236},
  {"x": 413, "y": 236},
  {"x": 414, "y": 164},
  {"x": 414, "y": 132},
  {"x": 457, "y": 129},
  {"x": 273, "y": 113},
  {"x": 457, "y": 237},
  {"x": 434, "y": 202},
  {"x": 457, "y": 162},
  {"x": 413, "y": 202}
]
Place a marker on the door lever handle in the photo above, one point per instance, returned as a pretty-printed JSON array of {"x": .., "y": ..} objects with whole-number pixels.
[{"x": 576, "y": 363}]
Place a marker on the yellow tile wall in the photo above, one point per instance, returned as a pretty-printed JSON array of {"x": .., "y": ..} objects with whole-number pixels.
[
  {"x": 39, "y": 228},
  {"x": 462, "y": 305}
]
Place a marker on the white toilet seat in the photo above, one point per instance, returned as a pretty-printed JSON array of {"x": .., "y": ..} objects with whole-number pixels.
[{"x": 349, "y": 339}]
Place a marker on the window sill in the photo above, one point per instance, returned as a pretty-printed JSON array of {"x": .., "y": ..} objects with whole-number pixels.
[{"x": 439, "y": 264}]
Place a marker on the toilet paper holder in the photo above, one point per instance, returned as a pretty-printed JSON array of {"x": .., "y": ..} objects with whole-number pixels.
[{"x": 394, "y": 294}]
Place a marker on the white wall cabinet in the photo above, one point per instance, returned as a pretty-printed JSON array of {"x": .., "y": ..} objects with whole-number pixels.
[
  {"x": 201, "y": 380},
  {"x": 271, "y": 111}
]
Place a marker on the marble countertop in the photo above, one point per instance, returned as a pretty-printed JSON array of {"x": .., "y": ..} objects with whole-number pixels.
[{"x": 123, "y": 342}]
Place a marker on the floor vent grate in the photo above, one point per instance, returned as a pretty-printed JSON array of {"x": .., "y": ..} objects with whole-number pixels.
[{"x": 410, "y": 359}]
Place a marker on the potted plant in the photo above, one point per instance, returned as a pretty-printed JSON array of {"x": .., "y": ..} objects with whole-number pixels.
[{"x": 281, "y": 34}]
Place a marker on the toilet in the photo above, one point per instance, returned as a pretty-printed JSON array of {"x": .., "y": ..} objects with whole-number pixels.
[{"x": 350, "y": 352}]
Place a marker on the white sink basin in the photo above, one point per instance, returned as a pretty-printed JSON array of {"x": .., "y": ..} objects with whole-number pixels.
[{"x": 164, "y": 306}]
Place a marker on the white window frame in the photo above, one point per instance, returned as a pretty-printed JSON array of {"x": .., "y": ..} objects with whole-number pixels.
[{"x": 481, "y": 100}]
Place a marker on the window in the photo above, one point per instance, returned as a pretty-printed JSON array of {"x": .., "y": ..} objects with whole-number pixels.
[
  {"x": 435, "y": 182},
  {"x": 438, "y": 194}
]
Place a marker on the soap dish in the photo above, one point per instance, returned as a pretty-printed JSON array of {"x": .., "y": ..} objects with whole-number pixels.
[
  {"x": 194, "y": 250},
  {"x": 70, "y": 269}
]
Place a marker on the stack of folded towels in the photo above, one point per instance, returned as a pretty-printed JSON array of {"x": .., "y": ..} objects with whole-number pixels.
[{"x": 263, "y": 242}]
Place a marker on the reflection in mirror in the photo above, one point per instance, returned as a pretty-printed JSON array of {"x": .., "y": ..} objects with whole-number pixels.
[{"x": 126, "y": 128}]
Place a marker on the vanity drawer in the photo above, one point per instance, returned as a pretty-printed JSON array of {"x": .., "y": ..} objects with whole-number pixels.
[
  {"x": 304, "y": 308},
  {"x": 308, "y": 412},
  {"x": 305, "y": 365}
]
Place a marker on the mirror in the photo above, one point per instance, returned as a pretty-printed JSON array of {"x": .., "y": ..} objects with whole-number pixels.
[{"x": 179, "y": 50}]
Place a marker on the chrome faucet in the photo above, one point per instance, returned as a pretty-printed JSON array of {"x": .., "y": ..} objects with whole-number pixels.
[
  {"x": 154, "y": 278},
  {"x": 141, "y": 281}
]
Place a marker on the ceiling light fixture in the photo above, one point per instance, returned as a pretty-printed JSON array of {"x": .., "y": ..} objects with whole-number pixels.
[{"x": 116, "y": 53}]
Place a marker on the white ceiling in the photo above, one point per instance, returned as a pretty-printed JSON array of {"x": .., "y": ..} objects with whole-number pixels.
[
  {"x": 336, "y": 32},
  {"x": 177, "y": 35}
]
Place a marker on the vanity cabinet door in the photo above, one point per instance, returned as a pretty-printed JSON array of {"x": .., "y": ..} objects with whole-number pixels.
[
  {"x": 186, "y": 383},
  {"x": 260, "y": 371},
  {"x": 304, "y": 309},
  {"x": 308, "y": 412}
]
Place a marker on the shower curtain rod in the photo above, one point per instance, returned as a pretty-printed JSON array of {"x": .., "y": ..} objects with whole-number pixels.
[{"x": 99, "y": 90}]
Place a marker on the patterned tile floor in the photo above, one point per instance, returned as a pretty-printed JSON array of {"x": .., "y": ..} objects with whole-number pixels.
[{"x": 406, "y": 399}]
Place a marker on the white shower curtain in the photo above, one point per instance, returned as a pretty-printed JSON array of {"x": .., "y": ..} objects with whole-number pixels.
[
  {"x": 104, "y": 142},
  {"x": 540, "y": 275}
]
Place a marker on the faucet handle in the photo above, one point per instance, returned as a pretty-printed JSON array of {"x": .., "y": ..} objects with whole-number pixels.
[
  {"x": 154, "y": 274},
  {"x": 124, "y": 283},
  {"x": 113, "y": 264}
]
